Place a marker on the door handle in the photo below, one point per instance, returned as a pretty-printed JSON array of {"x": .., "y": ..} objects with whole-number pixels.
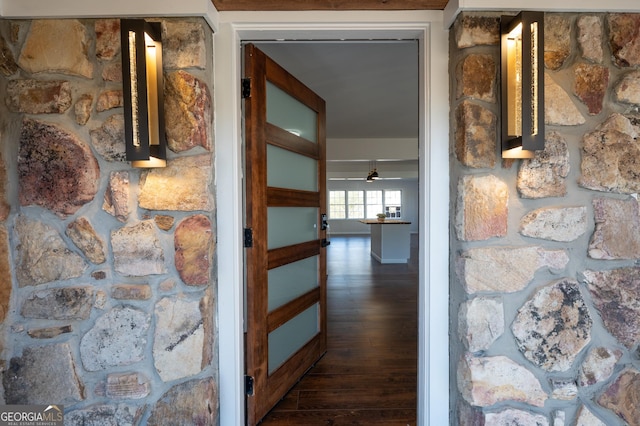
[{"x": 324, "y": 223}]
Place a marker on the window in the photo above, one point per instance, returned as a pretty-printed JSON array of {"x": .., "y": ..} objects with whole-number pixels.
[
  {"x": 393, "y": 203},
  {"x": 365, "y": 204},
  {"x": 355, "y": 201},
  {"x": 374, "y": 204},
  {"x": 337, "y": 205}
]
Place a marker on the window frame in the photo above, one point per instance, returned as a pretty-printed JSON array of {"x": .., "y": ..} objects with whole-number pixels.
[{"x": 364, "y": 205}]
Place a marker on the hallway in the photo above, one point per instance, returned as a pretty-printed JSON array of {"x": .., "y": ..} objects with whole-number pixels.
[{"x": 368, "y": 375}]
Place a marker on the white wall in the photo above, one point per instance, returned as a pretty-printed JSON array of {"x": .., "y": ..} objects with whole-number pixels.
[{"x": 409, "y": 188}]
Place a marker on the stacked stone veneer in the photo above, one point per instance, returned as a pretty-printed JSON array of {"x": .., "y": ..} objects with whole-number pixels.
[
  {"x": 545, "y": 279},
  {"x": 107, "y": 289}
]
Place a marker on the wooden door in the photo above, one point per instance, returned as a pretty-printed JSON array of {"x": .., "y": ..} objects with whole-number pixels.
[{"x": 286, "y": 256}]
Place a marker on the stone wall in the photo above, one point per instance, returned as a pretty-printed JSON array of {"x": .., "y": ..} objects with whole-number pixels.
[
  {"x": 108, "y": 289},
  {"x": 545, "y": 304}
]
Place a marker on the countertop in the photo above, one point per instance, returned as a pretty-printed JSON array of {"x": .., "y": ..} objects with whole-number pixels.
[{"x": 385, "y": 222}]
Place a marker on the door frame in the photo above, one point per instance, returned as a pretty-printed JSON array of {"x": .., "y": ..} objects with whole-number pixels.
[{"x": 433, "y": 279}]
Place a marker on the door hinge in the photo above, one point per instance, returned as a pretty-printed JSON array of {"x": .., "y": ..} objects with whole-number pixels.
[
  {"x": 246, "y": 88},
  {"x": 248, "y": 385},
  {"x": 248, "y": 237}
]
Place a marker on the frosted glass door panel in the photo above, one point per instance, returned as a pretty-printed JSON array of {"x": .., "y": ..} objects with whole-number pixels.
[
  {"x": 290, "y": 114},
  {"x": 291, "y": 225},
  {"x": 292, "y": 280},
  {"x": 285, "y": 340},
  {"x": 286, "y": 169}
]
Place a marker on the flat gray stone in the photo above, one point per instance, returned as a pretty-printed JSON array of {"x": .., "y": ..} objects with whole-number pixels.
[
  {"x": 545, "y": 174},
  {"x": 104, "y": 415},
  {"x": 184, "y": 44},
  {"x": 127, "y": 386},
  {"x": 190, "y": 403},
  {"x": 505, "y": 269},
  {"x": 555, "y": 223},
  {"x": 477, "y": 30},
  {"x": 85, "y": 237},
  {"x": 116, "y": 197},
  {"x": 628, "y": 89},
  {"x": 38, "y": 97},
  {"x": 611, "y": 156},
  {"x": 598, "y": 366},
  {"x": 485, "y": 381},
  {"x": 42, "y": 255},
  {"x": 118, "y": 338},
  {"x": 513, "y": 417},
  {"x": 67, "y": 303},
  {"x": 42, "y": 375},
  {"x": 481, "y": 322},
  {"x": 179, "y": 338},
  {"x": 615, "y": 236},
  {"x": 584, "y": 417},
  {"x": 108, "y": 139},
  {"x": 137, "y": 250}
]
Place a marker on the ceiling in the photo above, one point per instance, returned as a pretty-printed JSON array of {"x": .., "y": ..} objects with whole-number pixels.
[
  {"x": 329, "y": 4},
  {"x": 370, "y": 88}
]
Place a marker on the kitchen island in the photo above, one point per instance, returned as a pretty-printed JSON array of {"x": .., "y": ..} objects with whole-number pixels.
[{"x": 390, "y": 240}]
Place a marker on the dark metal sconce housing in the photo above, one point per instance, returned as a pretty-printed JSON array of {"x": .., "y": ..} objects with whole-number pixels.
[
  {"x": 522, "y": 84},
  {"x": 146, "y": 144}
]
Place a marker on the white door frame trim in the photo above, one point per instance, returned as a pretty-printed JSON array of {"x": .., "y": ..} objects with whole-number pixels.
[{"x": 433, "y": 303}]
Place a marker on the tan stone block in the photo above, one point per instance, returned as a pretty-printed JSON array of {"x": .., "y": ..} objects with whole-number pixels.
[
  {"x": 485, "y": 381},
  {"x": 624, "y": 38},
  {"x": 194, "y": 399},
  {"x": 475, "y": 30},
  {"x": 194, "y": 250},
  {"x": 107, "y": 38},
  {"x": 590, "y": 38},
  {"x": 590, "y": 86},
  {"x": 188, "y": 112},
  {"x": 65, "y": 53},
  {"x": 85, "y": 237},
  {"x": 475, "y": 136},
  {"x": 184, "y": 185},
  {"x": 545, "y": 175},
  {"x": 557, "y": 40},
  {"x": 476, "y": 77},
  {"x": 481, "y": 208},
  {"x": 559, "y": 109}
]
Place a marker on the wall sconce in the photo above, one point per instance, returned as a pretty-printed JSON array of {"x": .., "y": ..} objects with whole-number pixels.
[
  {"x": 522, "y": 84},
  {"x": 146, "y": 143}
]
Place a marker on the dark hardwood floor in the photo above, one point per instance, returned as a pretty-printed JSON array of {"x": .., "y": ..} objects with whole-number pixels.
[{"x": 369, "y": 374}]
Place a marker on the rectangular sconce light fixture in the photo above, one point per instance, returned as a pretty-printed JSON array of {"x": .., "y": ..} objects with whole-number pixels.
[
  {"x": 522, "y": 84},
  {"x": 146, "y": 143}
]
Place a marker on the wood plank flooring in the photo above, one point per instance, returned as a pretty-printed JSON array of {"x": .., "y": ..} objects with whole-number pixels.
[{"x": 369, "y": 374}]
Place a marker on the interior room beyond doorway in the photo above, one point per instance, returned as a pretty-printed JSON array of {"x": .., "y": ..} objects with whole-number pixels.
[{"x": 368, "y": 375}]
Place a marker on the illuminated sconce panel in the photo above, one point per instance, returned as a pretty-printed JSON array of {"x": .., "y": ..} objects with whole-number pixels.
[
  {"x": 145, "y": 138},
  {"x": 522, "y": 84}
]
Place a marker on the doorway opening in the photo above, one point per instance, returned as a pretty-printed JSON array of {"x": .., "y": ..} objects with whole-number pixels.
[
  {"x": 427, "y": 28},
  {"x": 370, "y": 369}
]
